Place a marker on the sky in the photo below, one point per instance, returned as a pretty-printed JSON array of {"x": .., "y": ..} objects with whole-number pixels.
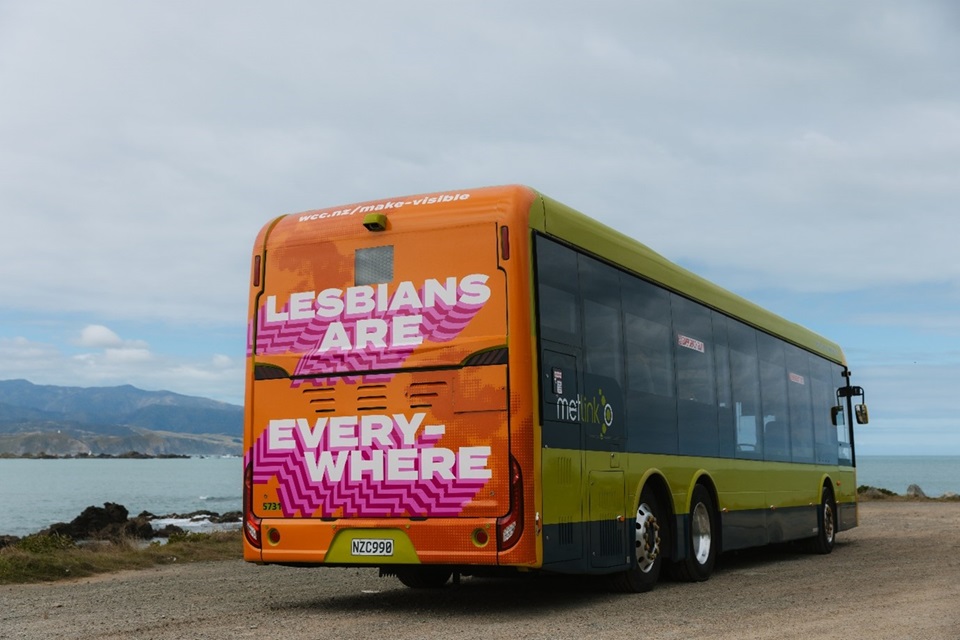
[{"x": 804, "y": 155}]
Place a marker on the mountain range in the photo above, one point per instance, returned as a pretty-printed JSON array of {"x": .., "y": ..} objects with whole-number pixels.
[{"x": 54, "y": 420}]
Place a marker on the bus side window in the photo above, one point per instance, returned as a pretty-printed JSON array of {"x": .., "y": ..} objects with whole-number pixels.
[
  {"x": 651, "y": 405},
  {"x": 773, "y": 396},
  {"x": 557, "y": 302},
  {"x": 745, "y": 388}
]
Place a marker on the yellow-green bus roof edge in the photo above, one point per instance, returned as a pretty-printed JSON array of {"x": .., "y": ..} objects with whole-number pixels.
[{"x": 557, "y": 220}]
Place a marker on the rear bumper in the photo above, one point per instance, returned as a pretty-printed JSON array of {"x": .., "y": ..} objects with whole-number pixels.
[{"x": 466, "y": 541}]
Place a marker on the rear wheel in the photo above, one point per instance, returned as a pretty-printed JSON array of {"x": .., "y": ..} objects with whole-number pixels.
[
  {"x": 430, "y": 577},
  {"x": 648, "y": 547},
  {"x": 702, "y": 543}
]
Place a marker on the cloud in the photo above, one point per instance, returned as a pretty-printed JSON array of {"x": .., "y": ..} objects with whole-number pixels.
[{"x": 98, "y": 336}]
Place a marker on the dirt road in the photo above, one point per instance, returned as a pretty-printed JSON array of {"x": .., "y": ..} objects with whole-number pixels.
[{"x": 896, "y": 576}]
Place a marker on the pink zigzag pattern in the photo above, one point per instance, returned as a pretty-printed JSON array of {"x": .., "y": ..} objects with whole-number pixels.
[{"x": 300, "y": 494}]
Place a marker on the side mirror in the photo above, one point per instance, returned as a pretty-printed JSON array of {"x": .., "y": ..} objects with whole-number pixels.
[
  {"x": 836, "y": 413},
  {"x": 863, "y": 417}
]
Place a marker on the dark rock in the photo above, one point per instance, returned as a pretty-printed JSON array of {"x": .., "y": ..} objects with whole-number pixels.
[
  {"x": 169, "y": 530},
  {"x": 229, "y": 516},
  {"x": 914, "y": 491},
  {"x": 94, "y": 522},
  {"x": 8, "y": 541}
]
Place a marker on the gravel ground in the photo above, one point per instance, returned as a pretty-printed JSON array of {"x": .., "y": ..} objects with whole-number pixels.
[{"x": 896, "y": 576}]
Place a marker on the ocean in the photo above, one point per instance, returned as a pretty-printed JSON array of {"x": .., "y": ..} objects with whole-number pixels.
[{"x": 37, "y": 493}]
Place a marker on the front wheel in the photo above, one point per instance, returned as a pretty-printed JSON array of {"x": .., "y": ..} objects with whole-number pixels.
[
  {"x": 826, "y": 525},
  {"x": 648, "y": 547},
  {"x": 702, "y": 543}
]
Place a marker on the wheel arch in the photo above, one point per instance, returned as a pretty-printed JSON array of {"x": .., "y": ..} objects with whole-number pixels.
[
  {"x": 703, "y": 478},
  {"x": 657, "y": 482}
]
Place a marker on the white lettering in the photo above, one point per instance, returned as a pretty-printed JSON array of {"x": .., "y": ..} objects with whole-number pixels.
[
  {"x": 472, "y": 463},
  {"x": 343, "y": 432},
  {"x": 377, "y": 429},
  {"x": 437, "y": 461},
  {"x": 360, "y": 300},
  {"x": 406, "y": 331},
  {"x": 360, "y": 465},
  {"x": 373, "y": 333},
  {"x": 311, "y": 437},
  {"x": 327, "y": 464},
  {"x": 301, "y": 305},
  {"x": 401, "y": 464},
  {"x": 475, "y": 289},
  {"x": 335, "y": 338},
  {"x": 280, "y": 434},
  {"x": 409, "y": 428},
  {"x": 272, "y": 314}
]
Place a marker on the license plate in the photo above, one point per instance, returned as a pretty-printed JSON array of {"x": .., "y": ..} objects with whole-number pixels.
[{"x": 371, "y": 547}]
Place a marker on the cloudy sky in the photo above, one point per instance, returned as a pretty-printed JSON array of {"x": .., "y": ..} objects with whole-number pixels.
[{"x": 805, "y": 155}]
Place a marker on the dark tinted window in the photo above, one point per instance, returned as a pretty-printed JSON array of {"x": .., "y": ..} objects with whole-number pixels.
[
  {"x": 725, "y": 410},
  {"x": 651, "y": 406},
  {"x": 557, "y": 290},
  {"x": 824, "y": 399},
  {"x": 800, "y": 404},
  {"x": 602, "y": 334},
  {"x": 696, "y": 383},
  {"x": 773, "y": 394},
  {"x": 745, "y": 388}
]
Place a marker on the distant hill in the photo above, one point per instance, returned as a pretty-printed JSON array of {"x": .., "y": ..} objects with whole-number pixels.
[{"x": 69, "y": 420}]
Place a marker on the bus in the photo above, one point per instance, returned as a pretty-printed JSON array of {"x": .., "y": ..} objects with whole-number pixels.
[{"x": 489, "y": 382}]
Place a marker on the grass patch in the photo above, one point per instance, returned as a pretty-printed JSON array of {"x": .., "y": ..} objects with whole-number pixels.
[{"x": 41, "y": 558}]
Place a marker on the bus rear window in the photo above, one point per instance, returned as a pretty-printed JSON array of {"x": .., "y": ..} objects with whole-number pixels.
[{"x": 373, "y": 265}]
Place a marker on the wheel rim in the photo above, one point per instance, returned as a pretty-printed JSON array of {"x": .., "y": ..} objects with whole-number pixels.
[
  {"x": 828, "y": 523},
  {"x": 701, "y": 533},
  {"x": 648, "y": 538}
]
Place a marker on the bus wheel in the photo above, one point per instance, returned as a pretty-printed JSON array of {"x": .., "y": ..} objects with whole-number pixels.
[
  {"x": 702, "y": 541},
  {"x": 826, "y": 525},
  {"x": 424, "y": 577},
  {"x": 648, "y": 547}
]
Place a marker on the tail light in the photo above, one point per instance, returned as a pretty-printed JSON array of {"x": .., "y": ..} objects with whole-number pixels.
[
  {"x": 251, "y": 523},
  {"x": 510, "y": 526}
]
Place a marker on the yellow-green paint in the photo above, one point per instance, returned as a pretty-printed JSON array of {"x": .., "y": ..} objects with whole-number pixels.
[
  {"x": 403, "y": 549},
  {"x": 741, "y": 485}
]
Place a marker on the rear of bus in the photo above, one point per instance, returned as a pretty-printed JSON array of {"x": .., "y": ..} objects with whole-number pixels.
[{"x": 379, "y": 427}]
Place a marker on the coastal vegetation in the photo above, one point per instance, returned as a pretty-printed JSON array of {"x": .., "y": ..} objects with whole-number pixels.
[
  {"x": 59, "y": 553},
  {"x": 46, "y": 557}
]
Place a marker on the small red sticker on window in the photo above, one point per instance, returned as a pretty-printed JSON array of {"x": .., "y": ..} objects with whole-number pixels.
[
  {"x": 796, "y": 377},
  {"x": 691, "y": 343}
]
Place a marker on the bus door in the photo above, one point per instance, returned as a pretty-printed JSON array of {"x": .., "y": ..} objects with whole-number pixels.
[{"x": 562, "y": 456}]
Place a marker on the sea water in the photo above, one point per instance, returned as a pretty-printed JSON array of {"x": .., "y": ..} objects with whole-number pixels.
[
  {"x": 936, "y": 475},
  {"x": 37, "y": 493}
]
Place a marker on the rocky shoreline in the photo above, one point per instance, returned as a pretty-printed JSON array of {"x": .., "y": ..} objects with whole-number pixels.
[{"x": 112, "y": 522}]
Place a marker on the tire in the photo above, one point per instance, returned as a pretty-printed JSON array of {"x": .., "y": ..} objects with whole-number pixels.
[
  {"x": 430, "y": 577},
  {"x": 647, "y": 555},
  {"x": 703, "y": 540},
  {"x": 826, "y": 536}
]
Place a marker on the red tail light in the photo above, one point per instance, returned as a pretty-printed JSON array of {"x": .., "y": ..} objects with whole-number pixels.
[
  {"x": 251, "y": 523},
  {"x": 505, "y": 242},
  {"x": 256, "y": 270},
  {"x": 510, "y": 526}
]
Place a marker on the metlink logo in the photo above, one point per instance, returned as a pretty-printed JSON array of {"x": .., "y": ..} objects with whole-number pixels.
[{"x": 594, "y": 410}]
